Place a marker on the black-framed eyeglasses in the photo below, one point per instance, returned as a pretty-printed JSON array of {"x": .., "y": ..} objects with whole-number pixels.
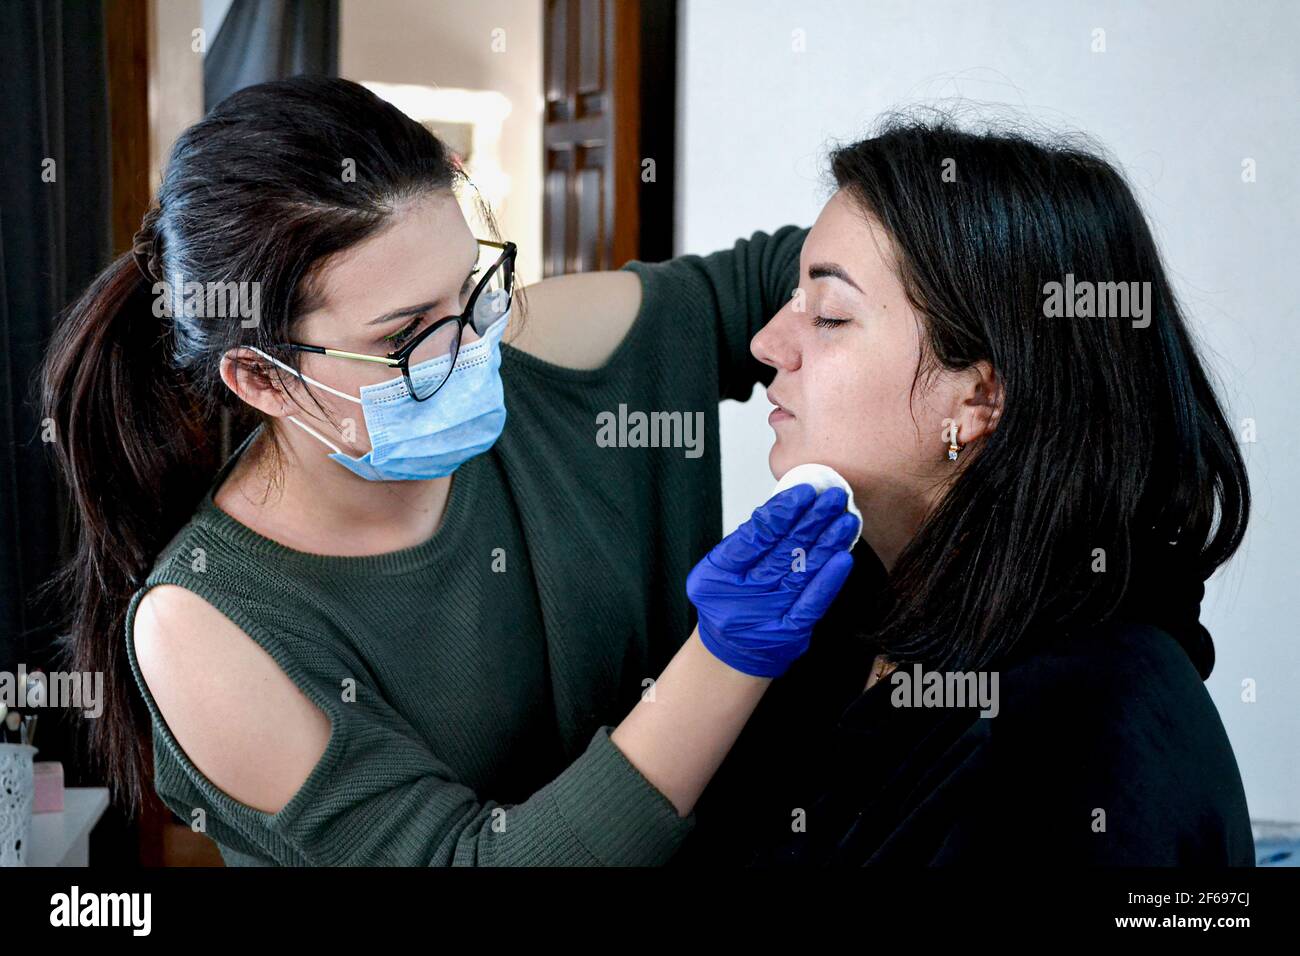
[{"x": 426, "y": 359}]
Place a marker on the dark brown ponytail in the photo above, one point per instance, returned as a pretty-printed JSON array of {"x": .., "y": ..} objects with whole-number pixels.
[{"x": 135, "y": 444}]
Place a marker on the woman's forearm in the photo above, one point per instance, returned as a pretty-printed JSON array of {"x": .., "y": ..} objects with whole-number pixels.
[{"x": 680, "y": 732}]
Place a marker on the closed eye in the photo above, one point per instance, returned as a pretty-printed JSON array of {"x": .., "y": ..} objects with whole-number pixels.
[{"x": 825, "y": 322}]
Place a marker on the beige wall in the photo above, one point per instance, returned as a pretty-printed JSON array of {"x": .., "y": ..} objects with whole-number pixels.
[
  {"x": 449, "y": 44},
  {"x": 175, "y": 78}
]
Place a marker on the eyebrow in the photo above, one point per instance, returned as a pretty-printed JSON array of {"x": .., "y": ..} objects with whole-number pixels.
[
  {"x": 829, "y": 270},
  {"x": 411, "y": 310}
]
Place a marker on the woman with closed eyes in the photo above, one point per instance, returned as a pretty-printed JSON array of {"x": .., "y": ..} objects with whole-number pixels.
[{"x": 1045, "y": 495}]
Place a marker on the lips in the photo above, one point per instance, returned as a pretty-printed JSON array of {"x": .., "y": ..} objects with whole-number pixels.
[
  {"x": 780, "y": 413},
  {"x": 776, "y": 400}
]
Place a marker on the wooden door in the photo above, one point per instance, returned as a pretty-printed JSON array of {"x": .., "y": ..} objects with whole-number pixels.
[{"x": 610, "y": 80}]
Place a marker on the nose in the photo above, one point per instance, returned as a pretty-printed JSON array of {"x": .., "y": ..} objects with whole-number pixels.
[{"x": 775, "y": 344}]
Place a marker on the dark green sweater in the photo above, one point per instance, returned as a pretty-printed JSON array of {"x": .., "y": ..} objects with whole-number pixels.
[{"x": 472, "y": 681}]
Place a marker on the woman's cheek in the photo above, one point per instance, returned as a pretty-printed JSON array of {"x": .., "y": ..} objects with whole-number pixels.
[{"x": 854, "y": 420}]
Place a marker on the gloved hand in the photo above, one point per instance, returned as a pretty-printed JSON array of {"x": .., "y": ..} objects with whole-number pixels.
[{"x": 757, "y": 598}]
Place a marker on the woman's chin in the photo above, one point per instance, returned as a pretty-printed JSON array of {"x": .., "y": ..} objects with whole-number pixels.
[{"x": 780, "y": 460}]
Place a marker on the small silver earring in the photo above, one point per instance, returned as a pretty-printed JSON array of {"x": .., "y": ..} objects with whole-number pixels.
[{"x": 953, "y": 447}]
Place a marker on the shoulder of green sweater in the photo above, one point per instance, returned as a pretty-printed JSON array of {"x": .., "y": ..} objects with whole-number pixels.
[
  {"x": 241, "y": 587},
  {"x": 198, "y": 558},
  {"x": 779, "y": 248},
  {"x": 739, "y": 287},
  {"x": 680, "y": 289}
]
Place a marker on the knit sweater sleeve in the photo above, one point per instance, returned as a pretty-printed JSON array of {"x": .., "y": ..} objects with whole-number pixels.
[
  {"x": 739, "y": 289},
  {"x": 379, "y": 795}
]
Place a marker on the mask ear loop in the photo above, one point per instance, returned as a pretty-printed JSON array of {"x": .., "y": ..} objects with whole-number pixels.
[
  {"x": 315, "y": 434},
  {"x": 294, "y": 418},
  {"x": 294, "y": 371}
]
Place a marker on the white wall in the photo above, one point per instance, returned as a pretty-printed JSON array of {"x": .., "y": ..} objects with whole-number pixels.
[
  {"x": 1184, "y": 91},
  {"x": 448, "y": 43}
]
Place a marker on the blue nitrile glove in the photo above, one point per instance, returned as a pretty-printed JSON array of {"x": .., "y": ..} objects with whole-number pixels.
[{"x": 757, "y": 597}]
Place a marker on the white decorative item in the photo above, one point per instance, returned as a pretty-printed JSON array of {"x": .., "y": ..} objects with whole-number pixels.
[{"x": 17, "y": 788}]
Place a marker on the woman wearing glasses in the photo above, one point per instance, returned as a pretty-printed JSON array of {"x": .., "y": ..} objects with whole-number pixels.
[{"x": 399, "y": 624}]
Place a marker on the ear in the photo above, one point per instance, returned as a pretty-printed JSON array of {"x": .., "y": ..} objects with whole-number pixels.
[
  {"x": 254, "y": 380},
  {"x": 980, "y": 403}
]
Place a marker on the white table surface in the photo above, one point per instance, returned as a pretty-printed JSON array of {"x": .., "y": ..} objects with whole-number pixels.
[{"x": 63, "y": 839}]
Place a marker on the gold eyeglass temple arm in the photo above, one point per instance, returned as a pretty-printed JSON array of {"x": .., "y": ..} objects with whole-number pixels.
[{"x": 392, "y": 363}]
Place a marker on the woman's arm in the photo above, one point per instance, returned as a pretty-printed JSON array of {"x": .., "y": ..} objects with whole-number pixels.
[
  {"x": 680, "y": 732},
  {"x": 759, "y": 593},
  {"x": 261, "y": 738},
  {"x": 281, "y": 758},
  {"x": 578, "y": 321},
  {"x": 268, "y": 742},
  {"x": 240, "y": 718}
]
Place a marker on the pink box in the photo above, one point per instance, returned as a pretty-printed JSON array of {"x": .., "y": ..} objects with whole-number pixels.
[{"x": 48, "y": 777}]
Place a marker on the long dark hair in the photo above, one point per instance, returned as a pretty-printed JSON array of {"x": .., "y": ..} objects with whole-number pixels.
[
  {"x": 258, "y": 191},
  {"x": 1111, "y": 436}
]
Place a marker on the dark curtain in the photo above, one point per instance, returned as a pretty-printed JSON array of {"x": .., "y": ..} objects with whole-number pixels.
[
  {"x": 54, "y": 237},
  {"x": 263, "y": 40}
]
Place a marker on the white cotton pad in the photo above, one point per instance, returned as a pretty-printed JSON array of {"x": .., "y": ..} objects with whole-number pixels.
[{"x": 821, "y": 477}]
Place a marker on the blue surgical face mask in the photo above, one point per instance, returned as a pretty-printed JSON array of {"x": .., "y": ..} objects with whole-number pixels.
[{"x": 415, "y": 441}]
